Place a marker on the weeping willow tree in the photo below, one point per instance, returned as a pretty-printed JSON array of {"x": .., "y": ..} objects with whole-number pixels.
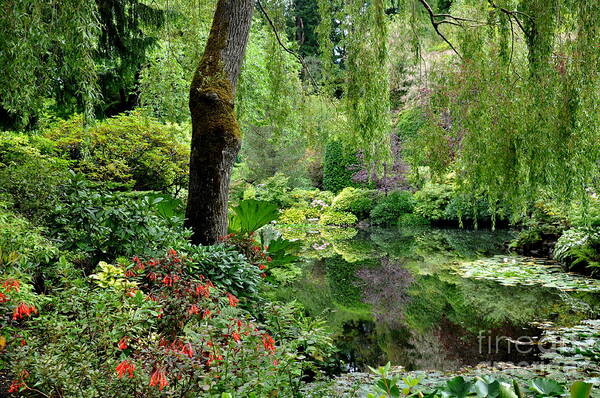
[
  {"x": 516, "y": 116},
  {"x": 361, "y": 57},
  {"x": 46, "y": 47}
]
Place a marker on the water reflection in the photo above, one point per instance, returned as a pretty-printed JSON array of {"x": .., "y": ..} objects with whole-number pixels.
[{"x": 391, "y": 295}]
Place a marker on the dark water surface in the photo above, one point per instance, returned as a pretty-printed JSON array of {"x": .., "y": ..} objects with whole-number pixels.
[{"x": 392, "y": 295}]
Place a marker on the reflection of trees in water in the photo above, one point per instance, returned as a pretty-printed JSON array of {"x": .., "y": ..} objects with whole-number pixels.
[{"x": 385, "y": 289}]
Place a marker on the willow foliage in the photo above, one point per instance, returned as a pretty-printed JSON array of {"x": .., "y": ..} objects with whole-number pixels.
[
  {"x": 361, "y": 55},
  {"x": 45, "y": 48},
  {"x": 517, "y": 119}
]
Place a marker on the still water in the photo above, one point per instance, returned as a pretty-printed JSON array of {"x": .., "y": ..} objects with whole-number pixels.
[{"x": 394, "y": 295}]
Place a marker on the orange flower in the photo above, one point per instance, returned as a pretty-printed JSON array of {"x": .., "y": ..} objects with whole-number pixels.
[
  {"x": 236, "y": 337},
  {"x": 194, "y": 310},
  {"x": 233, "y": 301},
  {"x": 3, "y": 298},
  {"x": 23, "y": 310},
  {"x": 262, "y": 267},
  {"x": 125, "y": 367},
  {"x": 123, "y": 343},
  {"x": 187, "y": 350},
  {"x": 268, "y": 342},
  {"x": 159, "y": 379},
  {"x": 11, "y": 284},
  {"x": 16, "y": 385}
]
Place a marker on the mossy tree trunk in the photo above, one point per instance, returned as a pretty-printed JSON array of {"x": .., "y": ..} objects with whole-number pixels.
[{"x": 216, "y": 137}]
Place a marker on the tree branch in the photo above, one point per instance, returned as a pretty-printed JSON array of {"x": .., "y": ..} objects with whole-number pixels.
[
  {"x": 286, "y": 49},
  {"x": 436, "y": 24}
]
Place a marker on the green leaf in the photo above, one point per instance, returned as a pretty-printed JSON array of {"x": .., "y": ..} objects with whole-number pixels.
[
  {"x": 506, "y": 391},
  {"x": 250, "y": 215},
  {"x": 581, "y": 390},
  {"x": 547, "y": 387}
]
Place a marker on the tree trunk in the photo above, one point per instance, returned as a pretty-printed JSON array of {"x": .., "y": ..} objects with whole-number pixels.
[{"x": 216, "y": 137}]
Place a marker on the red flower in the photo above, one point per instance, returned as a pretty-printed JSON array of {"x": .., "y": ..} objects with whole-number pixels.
[
  {"x": 262, "y": 267},
  {"x": 275, "y": 363},
  {"x": 3, "y": 298},
  {"x": 194, "y": 310},
  {"x": 16, "y": 385},
  {"x": 123, "y": 343},
  {"x": 167, "y": 280},
  {"x": 129, "y": 273},
  {"x": 187, "y": 350},
  {"x": 152, "y": 276},
  {"x": 171, "y": 253},
  {"x": 263, "y": 275},
  {"x": 268, "y": 342},
  {"x": 125, "y": 367},
  {"x": 23, "y": 342},
  {"x": 206, "y": 314},
  {"x": 269, "y": 259},
  {"x": 236, "y": 337},
  {"x": 23, "y": 310},
  {"x": 233, "y": 301},
  {"x": 159, "y": 379},
  {"x": 11, "y": 284},
  {"x": 203, "y": 290}
]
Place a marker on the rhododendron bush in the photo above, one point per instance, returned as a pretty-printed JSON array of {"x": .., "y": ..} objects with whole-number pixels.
[{"x": 160, "y": 331}]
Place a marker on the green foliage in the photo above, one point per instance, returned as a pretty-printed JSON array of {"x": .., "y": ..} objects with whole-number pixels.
[
  {"x": 102, "y": 225},
  {"x": 273, "y": 189},
  {"x": 30, "y": 173},
  {"x": 23, "y": 246},
  {"x": 293, "y": 215},
  {"x": 250, "y": 215},
  {"x": 127, "y": 149},
  {"x": 412, "y": 220},
  {"x": 578, "y": 247},
  {"x": 410, "y": 122},
  {"x": 309, "y": 198},
  {"x": 225, "y": 266},
  {"x": 337, "y": 168},
  {"x": 432, "y": 200},
  {"x": 359, "y": 202},
  {"x": 48, "y": 51},
  {"x": 332, "y": 217},
  {"x": 391, "y": 207}
]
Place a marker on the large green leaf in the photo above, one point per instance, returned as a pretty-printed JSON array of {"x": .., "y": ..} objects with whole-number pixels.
[
  {"x": 250, "y": 215},
  {"x": 487, "y": 388},
  {"x": 547, "y": 387},
  {"x": 581, "y": 390},
  {"x": 457, "y": 387}
]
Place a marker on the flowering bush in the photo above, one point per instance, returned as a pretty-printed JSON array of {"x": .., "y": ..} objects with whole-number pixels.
[{"x": 165, "y": 332}]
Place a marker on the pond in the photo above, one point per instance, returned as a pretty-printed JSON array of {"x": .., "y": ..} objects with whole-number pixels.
[{"x": 432, "y": 299}]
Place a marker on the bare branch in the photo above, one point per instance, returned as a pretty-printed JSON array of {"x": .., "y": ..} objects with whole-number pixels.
[
  {"x": 436, "y": 24},
  {"x": 296, "y": 55}
]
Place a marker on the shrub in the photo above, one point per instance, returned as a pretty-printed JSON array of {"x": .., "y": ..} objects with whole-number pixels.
[
  {"x": 332, "y": 217},
  {"x": 578, "y": 246},
  {"x": 293, "y": 215},
  {"x": 308, "y": 198},
  {"x": 412, "y": 220},
  {"x": 273, "y": 189},
  {"x": 390, "y": 207},
  {"x": 171, "y": 333},
  {"x": 432, "y": 200},
  {"x": 30, "y": 174},
  {"x": 357, "y": 201},
  {"x": 337, "y": 168},
  {"x": 128, "y": 149},
  {"x": 99, "y": 224},
  {"x": 225, "y": 266}
]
